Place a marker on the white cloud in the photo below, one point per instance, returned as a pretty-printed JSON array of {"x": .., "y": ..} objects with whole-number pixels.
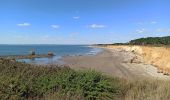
[
  {"x": 20, "y": 36},
  {"x": 46, "y": 36},
  {"x": 49, "y": 39},
  {"x": 163, "y": 30},
  {"x": 140, "y": 23},
  {"x": 97, "y": 26},
  {"x": 147, "y": 22},
  {"x": 76, "y": 17},
  {"x": 55, "y": 26},
  {"x": 140, "y": 31},
  {"x": 73, "y": 34},
  {"x": 24, "y": 24},
  {"x": 154, "y": 22}
]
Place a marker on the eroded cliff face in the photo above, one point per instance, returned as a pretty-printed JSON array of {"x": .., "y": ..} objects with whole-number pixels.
[{"x": 157, "y": 56}]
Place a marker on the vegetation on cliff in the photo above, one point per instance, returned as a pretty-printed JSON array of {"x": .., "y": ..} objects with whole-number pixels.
[{"x": 151, "y": 41}]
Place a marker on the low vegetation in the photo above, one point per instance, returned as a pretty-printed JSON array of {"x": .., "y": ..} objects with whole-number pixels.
[
  {"x": 25, "y": 81},
  {"x": 149, "y": 41},
  {"x": 157, "y": 41}
]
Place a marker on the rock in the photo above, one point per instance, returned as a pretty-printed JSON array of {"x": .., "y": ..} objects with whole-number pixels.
[
  {"x": 136, "y": 59},
  {"x": 32, "y": 52},
  {"x": 50, "y": 53},
  {"x": 159, "y": 71},
  {"x": 165, "y": 73}
]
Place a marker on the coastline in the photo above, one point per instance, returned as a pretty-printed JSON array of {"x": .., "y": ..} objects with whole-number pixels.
[
  {"x": 27, "y": 56},
  {"x": 19, "y": 53},
  {"x": 114, "y": 62}
]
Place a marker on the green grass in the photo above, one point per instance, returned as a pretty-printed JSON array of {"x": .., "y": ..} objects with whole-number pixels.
[
  {"x": 25, "y": 81},
  {"x": 148, "y": 90}
]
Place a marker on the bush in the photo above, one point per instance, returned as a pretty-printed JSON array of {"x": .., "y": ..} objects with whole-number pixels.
[{"x": 20, "y": 80}]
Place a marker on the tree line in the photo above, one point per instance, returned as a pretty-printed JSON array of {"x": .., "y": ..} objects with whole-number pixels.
[{"x": 151, "y": 41}]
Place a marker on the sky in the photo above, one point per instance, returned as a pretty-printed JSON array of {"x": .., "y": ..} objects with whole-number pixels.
[{"x": 82, "y": 21}]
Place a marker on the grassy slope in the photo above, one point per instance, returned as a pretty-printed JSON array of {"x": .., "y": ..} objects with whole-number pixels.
[{"x": 21, "y": 81}]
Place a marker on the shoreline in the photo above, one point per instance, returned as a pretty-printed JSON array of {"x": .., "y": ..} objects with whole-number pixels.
[
  {"x": 42, "y": 59},
  {"x": 114, "y": 63},
  {"x": 27, "y": 56}
]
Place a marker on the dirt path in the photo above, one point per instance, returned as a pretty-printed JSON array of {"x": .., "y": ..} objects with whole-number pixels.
[{"x": 113, "y": 63}]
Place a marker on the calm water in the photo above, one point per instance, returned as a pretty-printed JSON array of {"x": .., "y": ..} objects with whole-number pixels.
[{"x": 58, "y": 50}]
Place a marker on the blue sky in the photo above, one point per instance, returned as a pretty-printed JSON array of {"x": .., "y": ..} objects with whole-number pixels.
[{"x": 82, "y": 21}]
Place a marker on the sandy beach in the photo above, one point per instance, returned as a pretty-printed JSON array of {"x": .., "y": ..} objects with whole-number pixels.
[{"x": 116, "y": 63}]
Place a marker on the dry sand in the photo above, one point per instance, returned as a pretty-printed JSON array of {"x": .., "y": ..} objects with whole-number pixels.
[
  {"x": 157, "y": 56},
  {"x": 116, "y": 63}
]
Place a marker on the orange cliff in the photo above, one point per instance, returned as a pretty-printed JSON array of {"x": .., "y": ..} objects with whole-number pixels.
[{"x": 157, "y": 56}]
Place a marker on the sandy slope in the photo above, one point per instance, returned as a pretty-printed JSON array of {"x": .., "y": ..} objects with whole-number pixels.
[
  {"x": 157, "y": 56},
  {"x": 114, "y": 62}
]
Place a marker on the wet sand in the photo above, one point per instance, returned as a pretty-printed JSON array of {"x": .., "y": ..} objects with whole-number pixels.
[{"x": 115, "y": 63}]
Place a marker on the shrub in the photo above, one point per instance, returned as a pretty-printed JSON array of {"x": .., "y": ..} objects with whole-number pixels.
[{"x": 20, "y": 80}]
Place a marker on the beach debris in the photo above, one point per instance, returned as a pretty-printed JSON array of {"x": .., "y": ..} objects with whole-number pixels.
[
  {"x": 165, "y": 73},
  {"x": 159, "y": 71},
  {"x": 136, "y": 59}
]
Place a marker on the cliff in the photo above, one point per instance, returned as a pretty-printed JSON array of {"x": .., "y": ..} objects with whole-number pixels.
[{"x": 157, "y": 56}]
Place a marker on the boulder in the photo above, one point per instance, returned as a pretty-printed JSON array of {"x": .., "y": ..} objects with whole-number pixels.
[
  {"x": 32, "y": 52},
  {"x": 50, "y": 53}
]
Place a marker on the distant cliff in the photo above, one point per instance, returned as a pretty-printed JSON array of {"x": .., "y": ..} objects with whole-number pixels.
[{"x": 151, "y": 41}]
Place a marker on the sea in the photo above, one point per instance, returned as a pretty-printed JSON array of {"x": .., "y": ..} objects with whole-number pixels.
[{"x": 58, "y": 50}]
